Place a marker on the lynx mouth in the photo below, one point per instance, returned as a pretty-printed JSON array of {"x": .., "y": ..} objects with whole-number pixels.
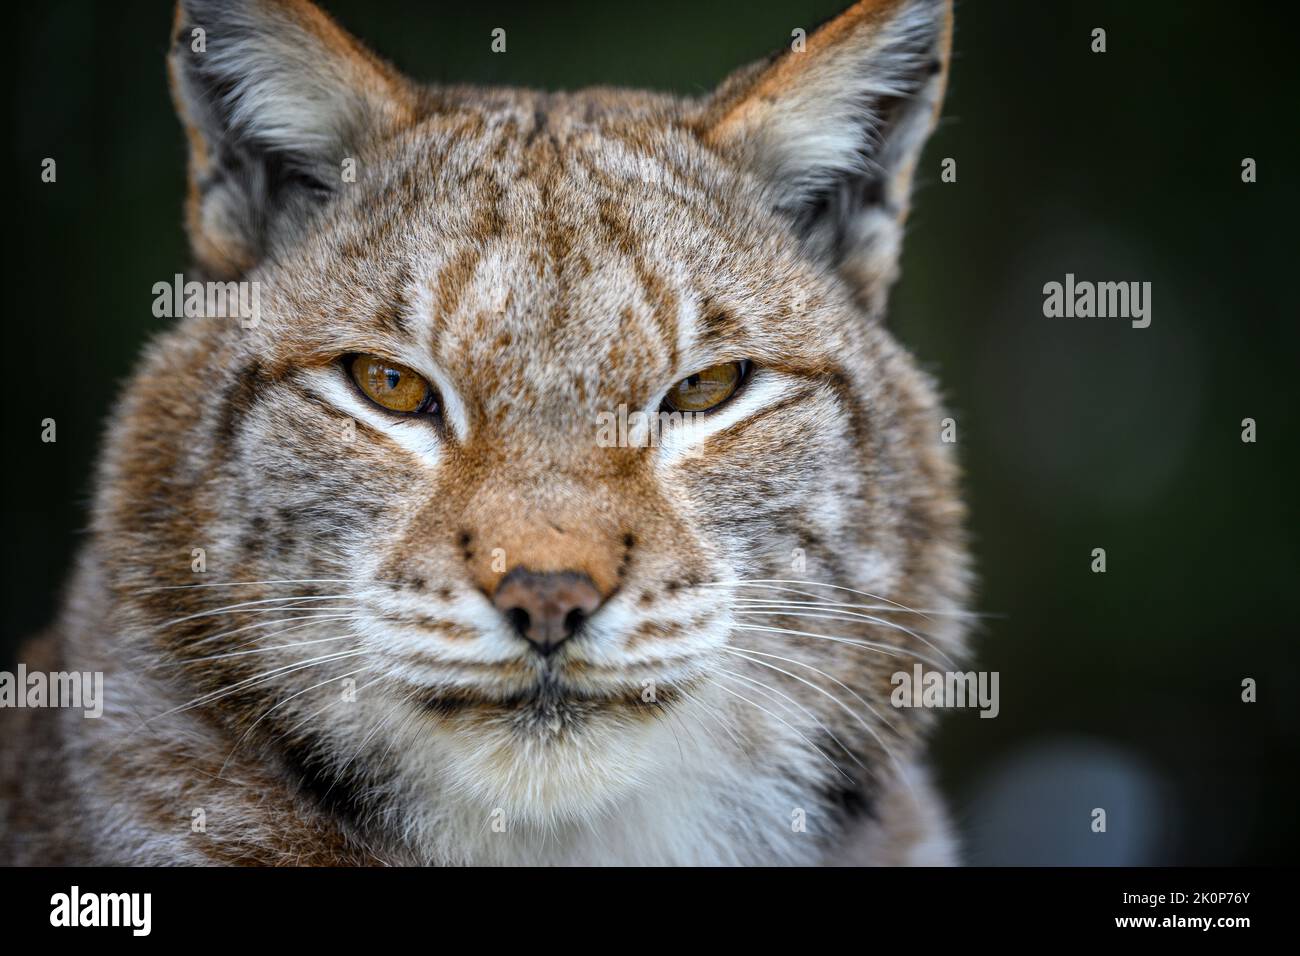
[{"x": 549, "y": 698}]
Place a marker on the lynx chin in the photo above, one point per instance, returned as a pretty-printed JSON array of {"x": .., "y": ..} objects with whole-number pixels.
[{"x": 433, "y": 619}]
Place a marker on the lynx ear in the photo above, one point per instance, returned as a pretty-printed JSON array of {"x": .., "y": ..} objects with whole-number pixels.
[
  {"x": 274, "y": 95},
  {"x": 835, "y": 129}
]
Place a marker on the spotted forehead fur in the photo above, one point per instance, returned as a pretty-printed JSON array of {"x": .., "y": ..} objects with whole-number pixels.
[{"x": 542, "y": 259}]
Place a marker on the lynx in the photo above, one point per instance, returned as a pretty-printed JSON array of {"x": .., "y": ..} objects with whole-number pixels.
[{"x": 363, "y": 582}]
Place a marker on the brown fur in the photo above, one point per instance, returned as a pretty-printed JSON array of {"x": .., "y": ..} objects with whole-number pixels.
[{"x": 543, "y": 259}]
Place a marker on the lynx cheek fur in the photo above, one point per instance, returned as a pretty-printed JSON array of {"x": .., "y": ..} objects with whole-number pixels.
[{"x": 472, "y": 631}]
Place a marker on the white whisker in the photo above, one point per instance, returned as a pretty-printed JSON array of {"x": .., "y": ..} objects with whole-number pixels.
[
  {"x": 256, "y": 679},
  {"x": 277, "y": 706},
  {"x": 852, "y": 616},
  {"x": 761, "y": 582},
  {"x": 778, "y": 717},
  {"x": 887, "y": 649},
  {"x": 865, "y": 726},
  {"x": 712, "y": 714},
  {"x": 316, "y": 617},
  {"x": 258, "y": 650},
  {"x": 883, "y": 608},
  {"x": 379, "y": 725},
  {"x": 744, "y": 651},
  {"x": 242, "y": 584},
  {"x": 289, "y": 605},
  {"x": 808, "y": 713}
]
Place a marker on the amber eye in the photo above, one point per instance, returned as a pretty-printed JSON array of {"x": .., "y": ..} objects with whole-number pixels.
[
  {"x": 391, "y": 386},
  {"x": 707, "y": 389}
]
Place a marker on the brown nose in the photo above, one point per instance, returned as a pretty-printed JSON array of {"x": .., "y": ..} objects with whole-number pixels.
[{"x": 546, "y": 608}]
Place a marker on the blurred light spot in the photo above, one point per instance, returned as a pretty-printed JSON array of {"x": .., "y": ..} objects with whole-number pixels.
[{"x": 1036, "y": 809}]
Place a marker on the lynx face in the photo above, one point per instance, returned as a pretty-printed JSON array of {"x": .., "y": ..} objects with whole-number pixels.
[{"x": 442, "y": 578}]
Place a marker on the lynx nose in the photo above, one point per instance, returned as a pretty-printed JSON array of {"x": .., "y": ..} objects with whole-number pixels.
[{"x": 546, "y": 608}]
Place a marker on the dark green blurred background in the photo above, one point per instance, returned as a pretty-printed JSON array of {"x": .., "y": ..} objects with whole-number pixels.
[{"x": 1119, "y": 690}]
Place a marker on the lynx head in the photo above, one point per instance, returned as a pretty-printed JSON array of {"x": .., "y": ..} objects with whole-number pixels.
[{"x": 569, "y": 430}]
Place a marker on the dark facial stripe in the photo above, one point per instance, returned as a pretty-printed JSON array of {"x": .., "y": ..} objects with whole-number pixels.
[
  {"x": 348, "y": 797},
  {"x": 661, "y": 297},
  {"x": 239, "y": 399}
]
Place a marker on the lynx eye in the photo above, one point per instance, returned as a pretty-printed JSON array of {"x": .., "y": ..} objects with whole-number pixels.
[
  {"x": 391, "y": 386},
  {"x": 707, "y": 389}
]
